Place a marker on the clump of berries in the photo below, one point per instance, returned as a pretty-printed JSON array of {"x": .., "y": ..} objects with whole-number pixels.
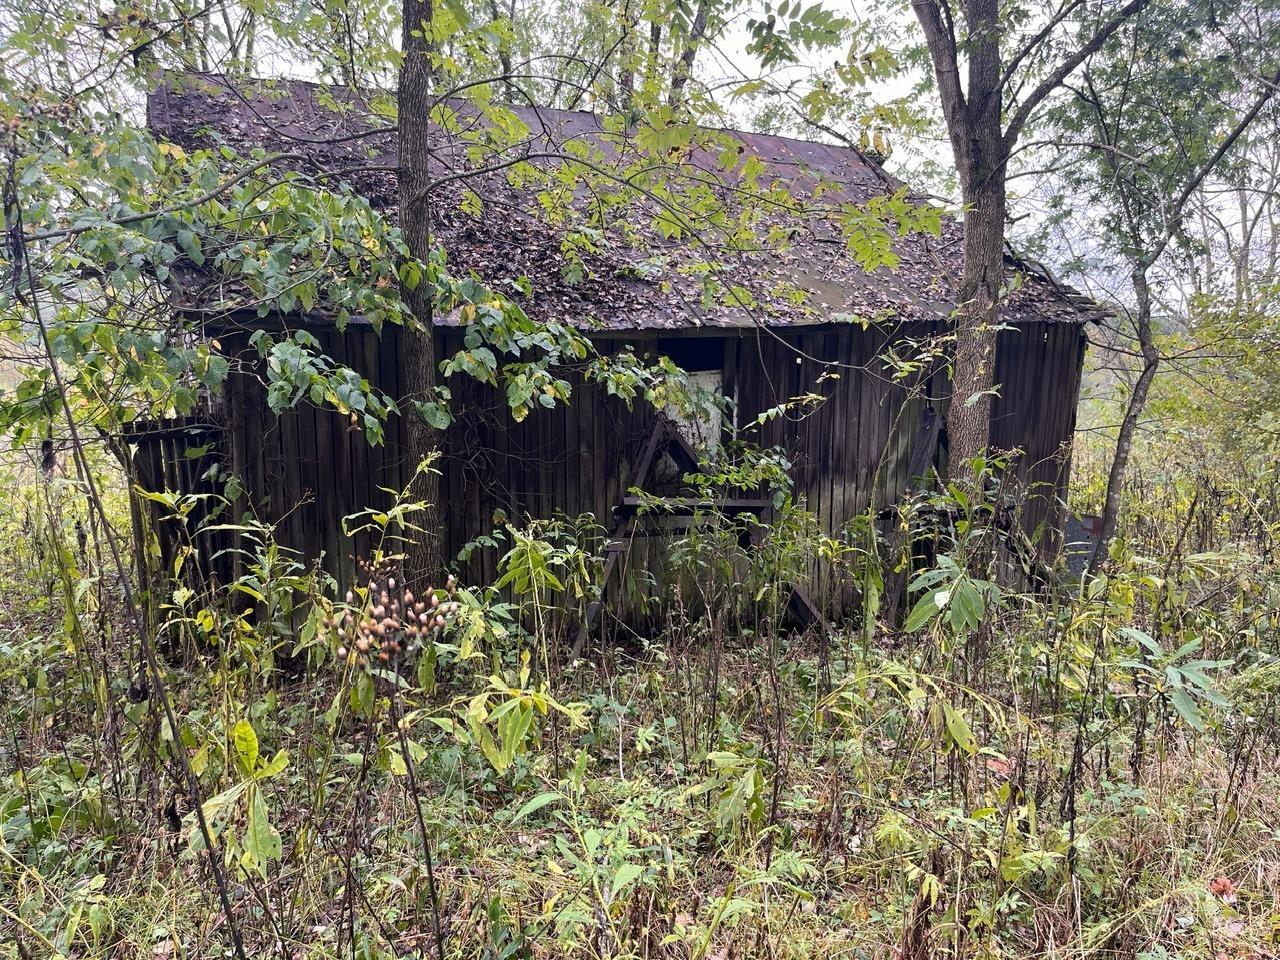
[
  {"x": 34, "y": 106},
  {"x": 389, "y": 621}
]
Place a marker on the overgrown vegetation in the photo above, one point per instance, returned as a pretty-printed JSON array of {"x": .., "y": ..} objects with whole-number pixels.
[
  {"x": 988, "y": 759},
  {"x": 1066, "y": 771}
]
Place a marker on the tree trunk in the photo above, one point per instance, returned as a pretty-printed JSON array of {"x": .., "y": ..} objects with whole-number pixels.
[
  {"x": 973, "y": 373},
  {"x": 423, "y": 564},
  {"x": 1132, "y": 416},
  {"x": 627, "y": 53},
  {"x": 504, "y": 55},
  {"x": 981, "y": 150},
  {"x": 654, "y": 53},
  {"x": 683, "y": 69}
]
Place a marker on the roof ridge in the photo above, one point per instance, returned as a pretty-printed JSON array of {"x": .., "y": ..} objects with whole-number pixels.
[{"x": 235, "y": 83}]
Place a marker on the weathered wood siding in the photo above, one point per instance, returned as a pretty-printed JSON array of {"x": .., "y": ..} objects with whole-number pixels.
[
  {"x": 306, "y": 469},
  {"x": 1038, "y": 367},
  {"x": 570, "y": 459},
  {"x": 852, "y": 448}
]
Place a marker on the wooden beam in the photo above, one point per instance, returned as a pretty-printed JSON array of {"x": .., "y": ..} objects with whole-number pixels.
[{"x": 685, "y": 506}]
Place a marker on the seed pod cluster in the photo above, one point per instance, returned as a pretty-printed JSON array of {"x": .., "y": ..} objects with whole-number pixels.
[
  {"x": 34, "y": 105},
  {"x": 388, "y": 621}
]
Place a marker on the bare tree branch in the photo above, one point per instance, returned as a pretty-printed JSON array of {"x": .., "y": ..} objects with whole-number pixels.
[{"x": 1068, "y": 66}]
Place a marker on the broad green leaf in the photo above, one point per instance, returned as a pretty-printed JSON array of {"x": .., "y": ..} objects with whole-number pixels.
[
  {"x": 246, "y": 743},
  {"x": 958, "y": 728},
  {"x": 1187, "y": 708},
  {"x": 626, "y": 874},
  {"x": 966, "y": 606},
  {"x": 274, "y": 766},
  {"x": 534, "y": 805},
  {"x": 925, "y": 610},
  {"x": 261, "y": 840}
]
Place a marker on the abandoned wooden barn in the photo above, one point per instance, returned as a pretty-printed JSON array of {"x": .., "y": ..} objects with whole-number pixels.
[{"x": 859, "y": 446}]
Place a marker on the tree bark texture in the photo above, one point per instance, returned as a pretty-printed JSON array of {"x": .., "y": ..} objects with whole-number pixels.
[
  {"x": 1132, "y": 415},
  {"x": 683, "y": 68},
  {"x": 973, "y": 116},
  {"x": 423, "y": 564},
  {"x": 627, "y": 53},
  {"x": 982, "y": 144},
  {"x": 974, "y": 364}
]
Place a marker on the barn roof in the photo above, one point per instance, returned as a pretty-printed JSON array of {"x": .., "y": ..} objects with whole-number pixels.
[{"x": 345, "y": 134}]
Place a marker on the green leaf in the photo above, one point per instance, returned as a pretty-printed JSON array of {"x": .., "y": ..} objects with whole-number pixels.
[
  {"x": 534, "y": 805},
  {"x": 1141, "y": 637},
  {"x": 925, "y": 610},
  {"x": 395, "y": 762},
  {"x": 498, "y": 761},
  {"x": 246, "y": 742},
  {"x": 627, "y": 873},
  {"x": 958, "y": 729},
  {"x": 966, "y": 606},
  {"x": 276, "y": 764},
  {"x": 436, "y": 415},
  {"x": 427, "y": 669},
  {"x": 261, "y": 840},
  {"x": 362, "y": 695},
  {"x": 1187, "y": 708},
  {"x": 512, "y": 728}
]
